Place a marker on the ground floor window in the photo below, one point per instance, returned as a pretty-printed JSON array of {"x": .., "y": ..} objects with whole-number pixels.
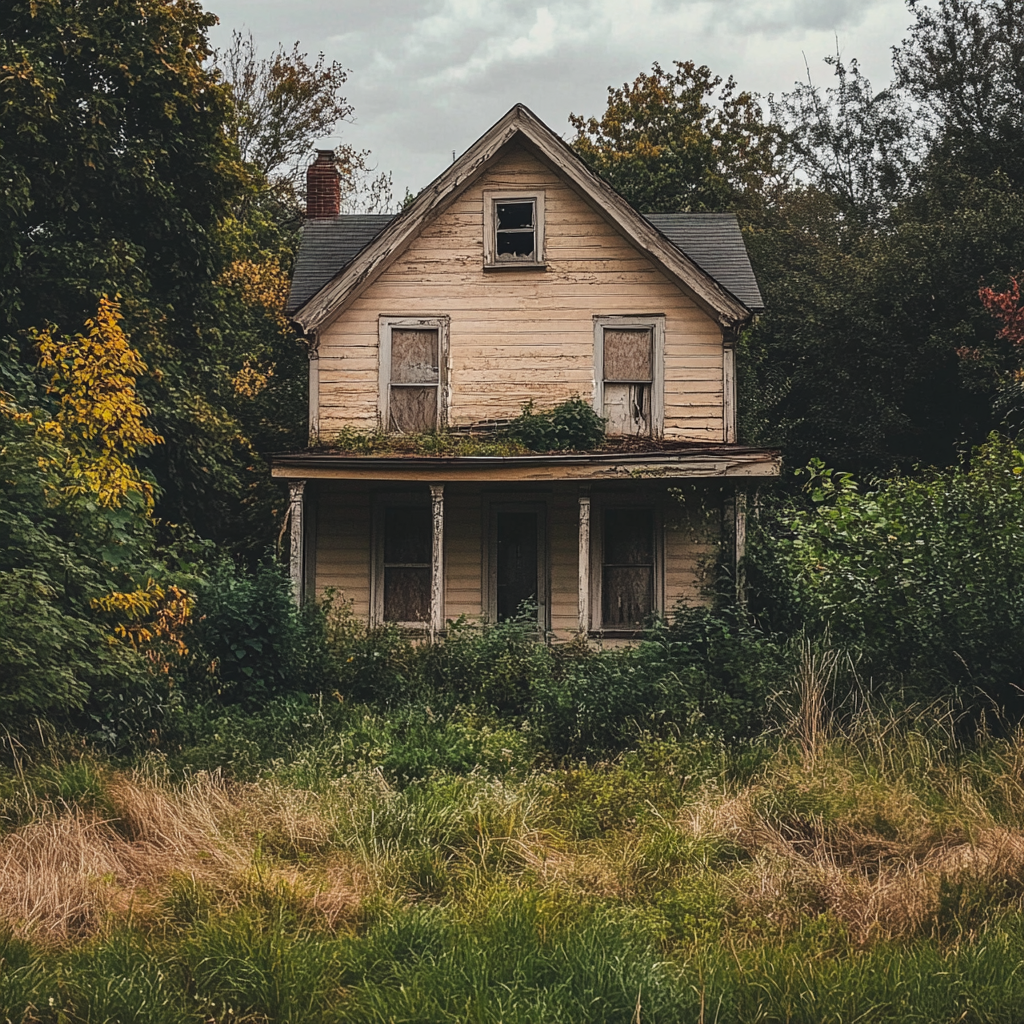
[
  {"x": 627, "y": 568},
  {"x": 406, "y": 545}
]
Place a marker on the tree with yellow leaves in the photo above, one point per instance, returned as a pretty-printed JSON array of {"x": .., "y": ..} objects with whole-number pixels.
[{"x": 99, "y": 420}]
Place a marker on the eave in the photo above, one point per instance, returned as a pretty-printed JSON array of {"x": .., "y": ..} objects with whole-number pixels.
[{"x": 701, "y": 462}]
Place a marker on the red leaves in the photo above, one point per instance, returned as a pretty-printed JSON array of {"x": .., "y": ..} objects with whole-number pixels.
[{"x": 1007, "y": 308}]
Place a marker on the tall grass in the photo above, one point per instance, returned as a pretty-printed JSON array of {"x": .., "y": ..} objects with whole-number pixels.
[{"x": 866, "y": 867}]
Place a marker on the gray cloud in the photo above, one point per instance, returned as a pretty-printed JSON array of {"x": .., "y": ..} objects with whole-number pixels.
[{"x": 429, "y": 77}]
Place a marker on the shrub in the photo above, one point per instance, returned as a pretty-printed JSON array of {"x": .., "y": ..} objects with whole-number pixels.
[
  {"x": 571, "y": 425},
  {"x": 249, "y": 642},
  {"x": 924, "y": 577}
]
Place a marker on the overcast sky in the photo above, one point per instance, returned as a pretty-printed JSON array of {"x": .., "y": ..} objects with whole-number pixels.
[{"x": 429, "y": 76}]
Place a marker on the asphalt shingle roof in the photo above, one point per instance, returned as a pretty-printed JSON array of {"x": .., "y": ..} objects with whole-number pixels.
[{"x": 712, "y": 240}]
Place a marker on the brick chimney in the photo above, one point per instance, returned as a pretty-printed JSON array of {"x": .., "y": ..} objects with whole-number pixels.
[{"x": 323, "y": 187}]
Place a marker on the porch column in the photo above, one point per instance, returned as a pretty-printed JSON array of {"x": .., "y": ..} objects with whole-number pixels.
[
  {"x": 584, "y": 565},
  {"x": 437, "y": 559},
  {"x": 740, "y": 552},
  {"x": 296, "y": 503}
]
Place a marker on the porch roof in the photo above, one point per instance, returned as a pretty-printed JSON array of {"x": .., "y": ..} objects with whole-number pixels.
[{"x": 681, "y": 460}]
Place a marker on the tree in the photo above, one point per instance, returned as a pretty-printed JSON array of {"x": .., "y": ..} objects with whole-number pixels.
[
  {"x": 963, "y": 64},
  {"x": 681, "y": 140},
  {"x": 849, "y": 142},
  {"x": 111, "y": 133},
  {"x": 86, "y": 607},
  {"x": 282, "y": 105}
]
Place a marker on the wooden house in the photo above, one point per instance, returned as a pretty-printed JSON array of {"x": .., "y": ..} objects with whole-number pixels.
[{"x": 518, "y": 275}]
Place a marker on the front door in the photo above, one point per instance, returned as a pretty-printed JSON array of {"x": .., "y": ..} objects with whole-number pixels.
[{"x": 517, "y": 561}]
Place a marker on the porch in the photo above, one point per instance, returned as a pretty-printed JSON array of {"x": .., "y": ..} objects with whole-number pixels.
[{"x": 599, "y": 547}]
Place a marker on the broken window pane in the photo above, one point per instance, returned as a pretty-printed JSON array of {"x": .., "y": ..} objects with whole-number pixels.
[
  {"x": 516, "y": 230},
  {"x": 515, "y": 215},
  {"x": 516, "y": 573},
  {"x": 627, "y": 355},
  {"x": 413, "y": 409},
  {"x": 407, "y": 558},
  {"x": 627, "y": 574},
  {"x": 627, "y": 408},
  {"x": 414, "y": 356}
]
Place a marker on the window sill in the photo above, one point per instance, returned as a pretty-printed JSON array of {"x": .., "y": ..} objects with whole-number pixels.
[
  {"x": 525, "y": 265},
  {"x": 617, "y": 634}
]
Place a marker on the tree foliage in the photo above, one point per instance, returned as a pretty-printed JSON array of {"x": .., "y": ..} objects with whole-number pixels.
[
  {"x": 84, "y": 619},
  {"x": 922, "y": 578},
  {"x": 680, "y": 140}
]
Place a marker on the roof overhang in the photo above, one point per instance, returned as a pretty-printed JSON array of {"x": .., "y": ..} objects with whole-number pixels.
[
  {"x": 523, "y": 126},
  {"x": 709, "y": 461}
]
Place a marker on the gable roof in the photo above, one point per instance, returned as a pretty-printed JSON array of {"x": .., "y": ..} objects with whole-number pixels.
[
  {"x": 712, "y": 240},
  {"x": 522, "y": 126}
]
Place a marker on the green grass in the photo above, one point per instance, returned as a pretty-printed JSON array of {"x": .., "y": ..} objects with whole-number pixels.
[{"x": 420, "y": 866}]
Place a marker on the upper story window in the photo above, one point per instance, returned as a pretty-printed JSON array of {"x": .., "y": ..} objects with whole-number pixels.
[
  {"x": 412, "y": 374},
  {"x": 629, "y": 374},
  {"x": 513, "y": 229}
]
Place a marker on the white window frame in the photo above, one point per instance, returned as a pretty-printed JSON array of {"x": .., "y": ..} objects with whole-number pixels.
[
  {"x": 382, "y": 502},
  {"x": 655, "y": 323},
  {"x": 600, "y": 505},
  {"x": 540, "y": 506},
  {"x": 491, "y": 199},
  {"x": 386, "y": 324}
]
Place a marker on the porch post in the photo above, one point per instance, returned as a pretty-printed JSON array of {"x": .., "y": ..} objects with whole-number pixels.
[
  {"x": 584, "y": 565},
  {"x": 437, "y": 560},
  {"x": 740, "y": 542},
  {"x": 296, "y": 503}
]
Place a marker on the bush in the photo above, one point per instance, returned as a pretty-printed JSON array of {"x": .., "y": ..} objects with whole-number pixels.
[
  {"x": 249, "y": 642},
  {"x": 923, "y": 578},
  {"x": 571, "y": 425}
]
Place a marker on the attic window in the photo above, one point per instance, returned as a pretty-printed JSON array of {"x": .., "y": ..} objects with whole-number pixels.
[{"x": 513, "y": 229}]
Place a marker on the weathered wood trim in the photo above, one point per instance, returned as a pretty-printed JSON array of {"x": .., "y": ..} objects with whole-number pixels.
[
  {"x": 519, "y": 124},
  {"x": 584, "y": 566},
  {"x": 493, "y": 196},
  {"x": 386, "y": 324},
  {"x": 656, "y": 323},
  {"x": 740, "y": 546},
  {"x": 729, "y": 389},
  {"x": 297, "y": 552},
  {"x": 749, "y": 463},
  {"x": 314, "y": 390},
  {"x": 437, "y": 559}
]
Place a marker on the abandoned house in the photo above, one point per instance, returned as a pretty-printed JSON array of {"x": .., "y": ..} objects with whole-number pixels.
[{"x": 518, "y": 276}]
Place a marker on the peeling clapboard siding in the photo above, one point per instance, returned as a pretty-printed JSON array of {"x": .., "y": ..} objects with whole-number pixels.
[
  {"x": 343, "y": 544},
  {"x": 522, "y": 334}
]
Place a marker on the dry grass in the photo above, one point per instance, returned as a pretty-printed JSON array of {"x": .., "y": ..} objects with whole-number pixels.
[
  {"x": 69, "y": 873},
  {"x": 881, "y": 828}
]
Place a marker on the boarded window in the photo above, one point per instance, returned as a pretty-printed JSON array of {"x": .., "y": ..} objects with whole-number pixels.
[
  {"x": 415, "y": 377},
  {"x": 628, "y": 377},
  {"x": 516, "y": 231},
  {"x": 407, "y": 557},
  {"x": 516, "y": 558},
  {"x": 627, "y": 571}
]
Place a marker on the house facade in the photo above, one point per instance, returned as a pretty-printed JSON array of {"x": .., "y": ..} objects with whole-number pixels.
[{"x": 518, "y": 276}]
